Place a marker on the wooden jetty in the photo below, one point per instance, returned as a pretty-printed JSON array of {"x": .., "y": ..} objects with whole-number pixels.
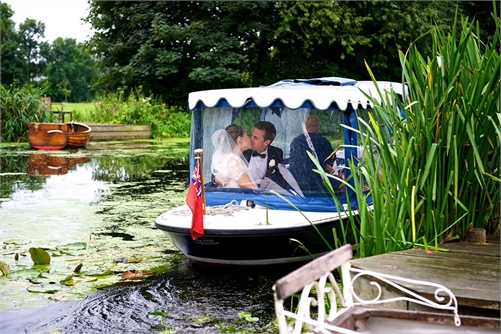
[
  {"x": 470, "y": 270},
  {"x": 119, "y": 131}
]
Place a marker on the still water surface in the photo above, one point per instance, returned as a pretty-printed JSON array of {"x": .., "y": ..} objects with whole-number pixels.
[{"x": 95, "y": 208}]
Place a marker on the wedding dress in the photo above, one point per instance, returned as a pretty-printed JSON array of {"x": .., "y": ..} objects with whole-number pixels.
[{"x": 228, "y": 163}]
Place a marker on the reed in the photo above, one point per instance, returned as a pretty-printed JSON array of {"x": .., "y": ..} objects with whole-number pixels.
[
  {"x": 434, "y": 173},
  {"x": 20, "y": 106}
]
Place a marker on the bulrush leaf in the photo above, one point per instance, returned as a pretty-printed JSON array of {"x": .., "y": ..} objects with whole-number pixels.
[{"x": 39, "y": 256}]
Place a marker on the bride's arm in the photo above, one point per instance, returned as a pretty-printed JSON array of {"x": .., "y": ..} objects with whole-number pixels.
[
  {"x": 239, "y": 172},
  {"x": 245, "y": 182}
]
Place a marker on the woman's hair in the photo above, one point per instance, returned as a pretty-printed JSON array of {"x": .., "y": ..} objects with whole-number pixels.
[{"x": 235, "y": 131}]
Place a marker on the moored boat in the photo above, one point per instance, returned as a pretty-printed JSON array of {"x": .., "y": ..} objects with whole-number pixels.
[
  {"x": 57, "y": 136},
  {"x": 78, "y": 135},
  {"x": 257, "y": 226},
  {"x": 48, "y": 136}
]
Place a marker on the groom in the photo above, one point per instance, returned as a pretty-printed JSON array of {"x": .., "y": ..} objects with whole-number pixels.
[{"x": 263, "y": 157}]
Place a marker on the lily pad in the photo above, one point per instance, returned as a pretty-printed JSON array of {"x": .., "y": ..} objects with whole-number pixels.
[
  {"x": 68, "y": 281},
  {"x": 105, "y": 273},
  {"x": 73, "y": 246},
  {"x": 24, "y": 274},
  {"x": 39, "y": 256},
  {"x": 49, "y": 288}
]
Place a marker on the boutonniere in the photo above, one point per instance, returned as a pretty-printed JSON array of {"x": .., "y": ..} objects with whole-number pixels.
[{"x": 271, "y": 167}]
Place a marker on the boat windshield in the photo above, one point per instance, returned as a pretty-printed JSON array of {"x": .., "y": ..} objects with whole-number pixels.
[{"x": 329, "y": 146}]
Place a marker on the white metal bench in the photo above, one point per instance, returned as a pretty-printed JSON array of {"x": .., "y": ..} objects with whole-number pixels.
[{"x": 320, "y": 288}]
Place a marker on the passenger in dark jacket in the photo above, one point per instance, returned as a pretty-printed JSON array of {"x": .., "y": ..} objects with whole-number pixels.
[{"x": 301, "y": 166}]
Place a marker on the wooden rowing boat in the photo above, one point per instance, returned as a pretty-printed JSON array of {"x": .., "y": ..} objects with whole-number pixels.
[
  {"x": 48, "y": 136},
  {"x": 57, "y": 136},
  {"x": 78, "y": 135}
]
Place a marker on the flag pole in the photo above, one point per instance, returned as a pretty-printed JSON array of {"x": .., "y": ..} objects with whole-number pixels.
[{"x": 198, "y": 152}]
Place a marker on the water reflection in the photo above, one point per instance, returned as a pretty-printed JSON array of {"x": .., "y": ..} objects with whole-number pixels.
[
  {"x": 105, "y": 199},
  {"x": 44, "y": 164}
]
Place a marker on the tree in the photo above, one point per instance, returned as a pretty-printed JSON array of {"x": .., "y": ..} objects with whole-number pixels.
[
  {"x": 11, "y": 64},
  {"x": 173, "y": 47},
  {"x": 69, "y": 69},
  {"x": 30, "y": 40},
  {"x": 336, "y": 37}
]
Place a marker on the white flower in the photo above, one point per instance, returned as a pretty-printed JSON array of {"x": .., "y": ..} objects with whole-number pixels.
[{"x": 272, "y": 163}]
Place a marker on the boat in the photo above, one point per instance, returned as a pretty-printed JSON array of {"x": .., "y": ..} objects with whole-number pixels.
[
  {"x": 48, "y": 136},
  {"x": 249, "y": 227},
  {"x": 57, "y": 136},
  {"x": 78, "y": 135}
]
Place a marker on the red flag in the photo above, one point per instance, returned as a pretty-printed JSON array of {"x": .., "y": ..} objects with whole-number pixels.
[{"x": 194, "y": 201}]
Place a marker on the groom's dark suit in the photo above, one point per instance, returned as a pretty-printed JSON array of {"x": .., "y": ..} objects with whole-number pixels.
[{"x": 276, "y": 154}]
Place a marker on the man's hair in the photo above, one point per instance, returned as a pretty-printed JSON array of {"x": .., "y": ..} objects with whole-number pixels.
[
  {"x": 235, "y": 131},
  {"x": 312, "y": 124},
  {"x": 270, "y": 132}
]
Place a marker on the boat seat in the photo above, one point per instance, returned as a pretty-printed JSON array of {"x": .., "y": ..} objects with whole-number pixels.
[
  {"x": 322, "y": 303},
  {"x": 48, "y": 127}
]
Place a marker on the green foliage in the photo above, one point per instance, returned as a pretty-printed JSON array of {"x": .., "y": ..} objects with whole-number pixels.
[
  {"x": 69, "y": 70},
  {"x": 11, "y": 63},
  {"x": 136, "y": 108},
  {"x": 21, "y": 61},
  {"x": 20, "y": 106},
  {"x": 30, "y": 34},
  {"x": 433, "y": 174},
  {"x": 171, "y": 56},
  {"x": 228, "y": 44},
  {"x": 64, "y": 66}
]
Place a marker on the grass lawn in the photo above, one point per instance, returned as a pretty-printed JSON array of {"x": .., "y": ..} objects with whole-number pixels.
[{"x": 80, "y": 111}]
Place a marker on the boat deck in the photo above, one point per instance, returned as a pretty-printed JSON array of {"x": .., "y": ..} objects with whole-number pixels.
[{"x": 470, "y": 271}]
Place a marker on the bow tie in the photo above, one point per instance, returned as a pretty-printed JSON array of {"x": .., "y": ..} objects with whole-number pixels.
[{"x": 255, "y": 154}]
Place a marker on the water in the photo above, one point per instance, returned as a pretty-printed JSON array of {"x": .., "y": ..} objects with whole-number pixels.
[{"x": 94, "y": 208}]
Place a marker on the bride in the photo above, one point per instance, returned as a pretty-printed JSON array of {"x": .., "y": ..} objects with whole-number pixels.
[{"x": 229, "y": 166}]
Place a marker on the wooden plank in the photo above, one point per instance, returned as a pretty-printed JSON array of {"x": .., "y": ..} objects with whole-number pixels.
[
  {"x": 494, "y": 238},
  {"x": 471, "y": 272},
  {"x": 312, "y": 271},
  {"x": 452, "y": 255},
  {"x": 119, "y": 127},
  {"x": 400, "y": 264},
  {"x": 119, "y": 131},
  {"x": 120, "y": 135},
  {"x": 491, "y": 249},
  {"x": 452, "y": 274}
]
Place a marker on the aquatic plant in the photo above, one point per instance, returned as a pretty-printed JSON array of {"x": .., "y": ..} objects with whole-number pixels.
[
  {"x": 433, "y": 173},
  {"x": 18, "y": 107},
  {"x": 430, "y": 168}
]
